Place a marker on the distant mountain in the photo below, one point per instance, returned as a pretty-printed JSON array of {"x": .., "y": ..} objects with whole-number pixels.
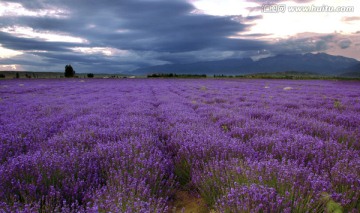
[
  {"x": 353, "y": 71},
  {"x": 320, "y": 63},
  {"x": 226, "y": 66}
]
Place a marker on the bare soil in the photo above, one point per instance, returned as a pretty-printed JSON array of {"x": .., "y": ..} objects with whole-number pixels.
[{"x": 188, "y": 202}]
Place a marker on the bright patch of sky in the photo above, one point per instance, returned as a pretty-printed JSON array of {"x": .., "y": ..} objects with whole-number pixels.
[
  {"x": 285, "y": 24},
  {"x": 7, "y": 53},
  {"x": 9, "y": 67},
  {"x": 16, "y": 9},
  {"x": 107, "y": 51},
  {"x": 28, "y": 32}
]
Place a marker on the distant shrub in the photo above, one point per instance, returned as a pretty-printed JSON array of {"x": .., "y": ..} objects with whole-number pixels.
[
  {"x": 69, "y": 71},
  {"x": 2, "y": 76},
  {"x": 223, "y": 76},
  {"x": 17, "y": 75},
  {"x": 174, "y": 75},
  {"x": 90, "y": 75}
]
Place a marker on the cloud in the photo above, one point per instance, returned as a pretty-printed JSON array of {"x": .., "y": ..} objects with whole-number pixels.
[
  {"x": 17, "y": 9},
  {"x": 201, "y": 55},
  {"x": 278, "y": 1},
  {"x": 345, "y": 43},
  {"x": 333, "y": 43},
  {"x": 26, "y": 44},
  {"x": 351, "y": 18},
  {"x": 302, "y": 43}
]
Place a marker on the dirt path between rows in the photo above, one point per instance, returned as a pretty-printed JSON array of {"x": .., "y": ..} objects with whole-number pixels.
[{"x": 186, "y": 202}]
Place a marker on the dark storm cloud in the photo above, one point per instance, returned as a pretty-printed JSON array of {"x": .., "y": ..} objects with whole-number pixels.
[
  {"x": 16, "y": 43},
  {"x": 64, "y": 57},
  {"x": 99, "y": 59},
  {"x": 202, "y": 55},
  {"x": 53, "y": 61},
  {"x": 21, "y": 60},
  {"x": 177, "y": 34},
  {"x": 253, "y": 18},
  {"x": 52, "y": 24},
  {"x": 256, "y": 35}
]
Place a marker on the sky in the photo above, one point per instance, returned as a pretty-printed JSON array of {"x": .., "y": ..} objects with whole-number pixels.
[{"x": 120, "y": 36}]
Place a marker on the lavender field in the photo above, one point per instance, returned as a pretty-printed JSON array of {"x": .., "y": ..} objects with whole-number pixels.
[{"x": 106, "y": 145}]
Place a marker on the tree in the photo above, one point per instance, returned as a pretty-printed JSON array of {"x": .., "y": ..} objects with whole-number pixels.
[
  {"x": 90, "y": 75},
  {"x": 17, "y": 75},
  {"x": 69, "y": 71}
]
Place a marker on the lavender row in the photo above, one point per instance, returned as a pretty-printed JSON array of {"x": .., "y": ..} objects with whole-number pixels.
[
  {"x": 277, "y": 134},
  {"x": 80, "y": 147}
]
